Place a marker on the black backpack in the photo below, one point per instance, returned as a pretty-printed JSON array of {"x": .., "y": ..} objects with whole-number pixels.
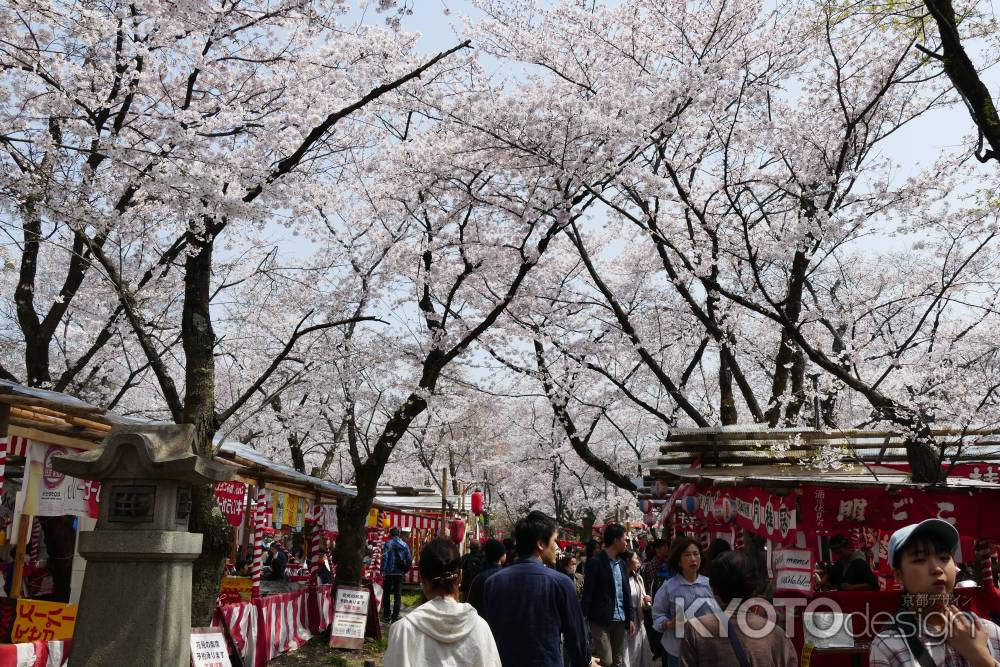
[{"x": 471, "y": 568}]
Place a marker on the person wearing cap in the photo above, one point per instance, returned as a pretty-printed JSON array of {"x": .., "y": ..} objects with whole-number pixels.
[
  {"x": 930, "y": 630},
  {"x": 851, "y": 571}
]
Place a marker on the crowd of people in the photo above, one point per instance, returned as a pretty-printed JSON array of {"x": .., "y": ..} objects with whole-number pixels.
[
  {"x": 526, "y": 604},
  {"x": 535, "y": 605}
]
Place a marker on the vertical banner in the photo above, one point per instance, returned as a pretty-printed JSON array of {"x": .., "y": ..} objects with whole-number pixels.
[
  {"x": 278, "y": 501},
  {"x": 231, "y": 497}
]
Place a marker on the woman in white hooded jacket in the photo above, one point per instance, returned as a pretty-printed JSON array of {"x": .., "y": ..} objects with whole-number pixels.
[{"x": 442, "y": 631}]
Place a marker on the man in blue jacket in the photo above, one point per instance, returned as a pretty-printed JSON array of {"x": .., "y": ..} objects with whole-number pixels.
[
  {"x": 607, "y": 598},
  {"x": 396, "y": 562},
  {"x": 528, "y": 605}
]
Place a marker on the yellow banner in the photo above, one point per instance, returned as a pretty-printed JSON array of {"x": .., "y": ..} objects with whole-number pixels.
[
  {"x": 241, "y": 585},
  {"x": 43, "y": 621},
  {"x": 288, "y": 513}
]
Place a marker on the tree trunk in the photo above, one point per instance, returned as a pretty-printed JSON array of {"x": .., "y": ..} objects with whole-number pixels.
[
  {"x": 352, "y": 515},
  {"x": 727, "y": 402},
  {"x": 217, "y": 535},
  {"x": 794, "y": 405},
  {"x": 199, "y": 409},
  {"x": 966, "y": 78}
]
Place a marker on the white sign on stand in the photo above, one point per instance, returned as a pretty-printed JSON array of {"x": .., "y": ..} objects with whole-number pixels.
[
  {"x": 350, "y": 617},
  {"x": 793, "y": 581},
  {"x": 209, "y": 648},
  {"x": 352, "y": 601}
]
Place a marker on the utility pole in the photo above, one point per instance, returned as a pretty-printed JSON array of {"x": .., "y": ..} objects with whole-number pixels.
[{"x": 444, "y": 500}]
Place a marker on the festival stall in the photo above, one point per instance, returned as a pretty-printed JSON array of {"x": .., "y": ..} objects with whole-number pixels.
[
  {"x": 417, "y": 512},
  {"x": 794, "y": 489},
  {"x": 43, "y": 511},
  {"x": 41, "y": 514}
]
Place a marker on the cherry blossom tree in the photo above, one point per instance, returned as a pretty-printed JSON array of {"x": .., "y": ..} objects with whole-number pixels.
[
  {"x": 149, "y": 134},
  {"x": 764, "y": 177}
]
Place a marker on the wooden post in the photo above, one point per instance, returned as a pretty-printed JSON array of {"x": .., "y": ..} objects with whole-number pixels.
[{"x": 22, "y": 545}]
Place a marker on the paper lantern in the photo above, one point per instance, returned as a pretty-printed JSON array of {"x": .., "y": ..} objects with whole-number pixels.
[
  {"x": 728, "y": 510},
  {"x": 386, "y": 522},
  {"x": 457, "y": 531},
  {"x": 477, "y": 502},
  {"x": 689, "y": 504},
  {"x": 645, "y": 505}
]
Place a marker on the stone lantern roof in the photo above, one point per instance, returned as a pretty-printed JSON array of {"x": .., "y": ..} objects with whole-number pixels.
[{"x": 157, "y": 451}]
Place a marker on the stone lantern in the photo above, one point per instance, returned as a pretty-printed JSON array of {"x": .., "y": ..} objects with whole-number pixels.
[{"x": 135, "y": 605}]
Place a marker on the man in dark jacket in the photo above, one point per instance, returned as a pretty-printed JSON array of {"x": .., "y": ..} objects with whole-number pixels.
[
  {"x": 607, "y": 599},
  {"x": 528, "y": 605},
  {"x": 396, "y": 562},
  {"x": 496, "y": 554},
  {"x": 277, "y": 561}
]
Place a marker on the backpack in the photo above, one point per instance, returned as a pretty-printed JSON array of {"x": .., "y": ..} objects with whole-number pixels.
[
  {"x": 471, "y": 568},
  {"x": 397, "y": 557}
]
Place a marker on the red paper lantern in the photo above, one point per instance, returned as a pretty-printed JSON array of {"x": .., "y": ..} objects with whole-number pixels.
[
  {"x": 477, "y": 502},
  {"x": 457, "y": 531}
]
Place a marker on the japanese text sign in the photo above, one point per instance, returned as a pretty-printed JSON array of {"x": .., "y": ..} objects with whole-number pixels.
[
  {"x": 350, "y": 617},
  {"x": 43, "y": 621},
  {"x": 208, "y": 648}
]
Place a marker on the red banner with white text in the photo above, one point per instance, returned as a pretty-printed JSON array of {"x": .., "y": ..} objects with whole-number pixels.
[
  {"x": 766, "y": 514},
  {"x": 834, "y": 510}
]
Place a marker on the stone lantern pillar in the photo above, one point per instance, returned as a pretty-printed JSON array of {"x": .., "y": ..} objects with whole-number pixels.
[{"x": 135, "y": 605}]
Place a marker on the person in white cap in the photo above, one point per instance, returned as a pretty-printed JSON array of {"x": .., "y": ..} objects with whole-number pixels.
[{"x": 930, "y": 631}]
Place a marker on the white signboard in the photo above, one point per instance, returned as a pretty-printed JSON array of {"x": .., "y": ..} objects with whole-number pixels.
[
  {"x": 349, "y": 625},
  {"x": 208, "y": 649},
  {"x": 352, "y": 601},
  {"x": 793, "y": 559},
  {"x": 793, "y": 581},
  {"x": 350, "y": 617},
  {"x": 59, "y": 494}
]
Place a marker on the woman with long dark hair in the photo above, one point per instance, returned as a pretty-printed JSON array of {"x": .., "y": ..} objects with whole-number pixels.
[{"x": 442, "y": 631}]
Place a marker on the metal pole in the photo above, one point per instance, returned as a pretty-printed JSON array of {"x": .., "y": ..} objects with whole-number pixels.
[{"x": 444, "y": 500}]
